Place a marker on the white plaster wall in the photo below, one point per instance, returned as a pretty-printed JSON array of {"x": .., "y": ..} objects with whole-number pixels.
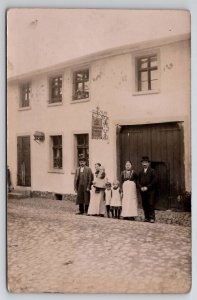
[
  {"x": 111, "y": 88},
  {"x": 115, "y": 88},
  {"x": 36, "y": 37}
]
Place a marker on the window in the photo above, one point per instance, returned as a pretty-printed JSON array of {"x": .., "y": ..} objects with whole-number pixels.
[
  {"x": 147, "y": 73},
  {"x": 55, "y": 86},
  {"x": 82, "y": 147},
  {"x": 81, "y": 84},
  {"x": 25, "y": 90},
  {"x": 56, "y": 143}
]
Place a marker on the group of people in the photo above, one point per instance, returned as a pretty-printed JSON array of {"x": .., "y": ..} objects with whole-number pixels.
[{"x": 96, "y": 196}]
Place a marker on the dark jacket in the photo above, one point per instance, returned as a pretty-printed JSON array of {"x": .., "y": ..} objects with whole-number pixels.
[
  {"x": 148, "y": 179},
  {"x": 87, "y": 178}
]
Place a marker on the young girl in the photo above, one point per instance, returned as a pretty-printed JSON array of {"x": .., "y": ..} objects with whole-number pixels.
[
  {"x": 97, "y": 205},
  {"x": 108, "y": 196},
  {"x": 116, "y": 205}
]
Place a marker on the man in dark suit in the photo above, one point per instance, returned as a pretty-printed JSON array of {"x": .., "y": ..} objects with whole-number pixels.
[
  {"x": 147, "y": 181},
  {"x": 82, "y": 185}
]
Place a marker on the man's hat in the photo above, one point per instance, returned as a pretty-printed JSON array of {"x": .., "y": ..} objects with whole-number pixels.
[
  {"x": 145, "y": 158},
  {"x": 82, "y": 159}
]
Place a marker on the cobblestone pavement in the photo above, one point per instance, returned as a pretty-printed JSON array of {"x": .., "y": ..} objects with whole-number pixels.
[{"x": 50, "y": 249}]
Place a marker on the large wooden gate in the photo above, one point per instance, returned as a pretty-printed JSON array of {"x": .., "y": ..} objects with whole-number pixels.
[
  {"x": 23, "y": 161},
  {"x": 163, "y": 143}
]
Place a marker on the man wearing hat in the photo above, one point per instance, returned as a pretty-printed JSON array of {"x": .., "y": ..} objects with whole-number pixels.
[
  {"x": 147, "y": 181},
  {"x": 82, "y": 185}
]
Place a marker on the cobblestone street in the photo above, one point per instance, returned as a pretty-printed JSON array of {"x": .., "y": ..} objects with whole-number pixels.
[{"x": 50, "y": 249}]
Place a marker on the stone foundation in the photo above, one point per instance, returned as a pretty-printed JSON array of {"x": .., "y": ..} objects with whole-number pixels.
[{"x": 53, "y": 196}]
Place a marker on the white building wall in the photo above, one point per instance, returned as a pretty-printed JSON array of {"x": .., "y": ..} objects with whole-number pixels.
[{"x": 112, "y": 89}]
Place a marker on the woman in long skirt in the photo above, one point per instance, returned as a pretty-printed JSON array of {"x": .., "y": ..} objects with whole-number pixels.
[
  {"x": 97, "y": 204},
  {"x": 128, "y": 188}
]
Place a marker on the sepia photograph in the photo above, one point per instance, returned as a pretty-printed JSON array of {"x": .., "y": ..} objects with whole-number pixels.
[{"x": 98, "y": 151}]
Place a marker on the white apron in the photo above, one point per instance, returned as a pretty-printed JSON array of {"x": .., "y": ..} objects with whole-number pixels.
[{"x": 129, "y": 200}]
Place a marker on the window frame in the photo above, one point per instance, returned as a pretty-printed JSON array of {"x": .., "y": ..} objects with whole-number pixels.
[
  {"x": 21, "y": 95},
  {"x": 53, "y": 169},
  {"x": 74, "y": 71},
  {"x": 76, "y": 147},
  {"x": 135, "y": 59},
  {"x": 52, "y": 77}
]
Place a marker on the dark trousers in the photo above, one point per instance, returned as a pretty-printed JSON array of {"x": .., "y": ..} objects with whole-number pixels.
[
  {"x": 83, "y": 208},
  {"x": 148, "y": 204},
  {"x": 108, "y": 210},
  {"x": 116, "y": 211}
]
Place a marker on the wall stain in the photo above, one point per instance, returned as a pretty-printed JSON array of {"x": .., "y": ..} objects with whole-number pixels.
[
  {"x": 97, "y": 76},
  {"x": 168, "y": 66},
  {"x": 33, "y": 23},
  {"x": 124, "y": 78}
]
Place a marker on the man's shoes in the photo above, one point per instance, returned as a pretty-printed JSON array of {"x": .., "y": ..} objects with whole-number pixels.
[
  {"x": 152, "y": 221},
  {"x": 79, "y": 213},
  {"x": 145, "y": 220}
]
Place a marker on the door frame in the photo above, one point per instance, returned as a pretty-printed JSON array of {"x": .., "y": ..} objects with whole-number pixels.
[
  {"x": 26, "y": 134},
  {"x": 180, "y": 123}
]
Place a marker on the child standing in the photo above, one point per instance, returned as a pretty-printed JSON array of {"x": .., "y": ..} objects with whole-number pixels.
[
  {"x": 116, "y": 205},
  {"x": 108, "y": 196}
]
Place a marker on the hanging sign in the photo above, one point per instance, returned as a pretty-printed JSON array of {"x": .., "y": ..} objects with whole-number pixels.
[{"x": 100, "y": 126}]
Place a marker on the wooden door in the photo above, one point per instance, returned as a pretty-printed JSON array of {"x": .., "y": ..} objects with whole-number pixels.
[
  {"x": 23, "y": 161},
  {"x": 163, "y": 188},
  {"x": 163, "y": 143}
]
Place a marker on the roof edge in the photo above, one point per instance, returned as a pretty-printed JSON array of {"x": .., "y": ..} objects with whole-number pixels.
[{"x": 100, "y": 55}]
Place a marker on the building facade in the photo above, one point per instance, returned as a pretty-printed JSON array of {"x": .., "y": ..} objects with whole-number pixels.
[{"x": 111, "y": 107}]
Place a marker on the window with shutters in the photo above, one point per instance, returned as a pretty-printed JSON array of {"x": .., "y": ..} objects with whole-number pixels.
[
  {"x": 25, "y": 92},
  {"x": 81, "y": 85},
  {"x": 55, "y": 89}
]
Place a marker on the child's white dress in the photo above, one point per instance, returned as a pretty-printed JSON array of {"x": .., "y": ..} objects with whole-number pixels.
[
  {"x": 108, "y": 196},
  {"x": 116, "y": 198}
]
